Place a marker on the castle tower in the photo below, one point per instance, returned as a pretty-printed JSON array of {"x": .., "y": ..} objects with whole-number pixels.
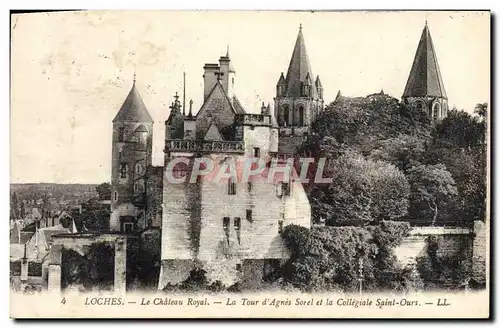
[
  {"x": 131, "y": 156},
  {"x": 299, "y": 96},
  {"x": 425, "y": 89}
]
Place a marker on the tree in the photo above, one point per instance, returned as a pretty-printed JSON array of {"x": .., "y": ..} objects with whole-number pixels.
[
  {"x": 327, "y": 258},
  {"x": 431, "y": 186},
  {"x": 404, "y": 151},
  {"x": 96, "y": 219},
  {"x": 104, "y": 191},
  {"x": 461, "y": 130},
  {"x": 481, "y": 109},
  {"x": 362, "y": 191}
]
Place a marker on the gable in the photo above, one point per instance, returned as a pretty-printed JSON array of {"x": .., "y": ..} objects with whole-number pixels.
[
  {"x": 216, "y": 109},
  {"x": 213, "y": 133}
]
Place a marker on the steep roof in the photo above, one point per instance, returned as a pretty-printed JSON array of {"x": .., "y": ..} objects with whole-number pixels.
[
  {"x": 133, "y": 109},
  {"x": 298, "y": 69},
  {"x": 425, "y": 78},
  {"x": 237, "y": 106}
]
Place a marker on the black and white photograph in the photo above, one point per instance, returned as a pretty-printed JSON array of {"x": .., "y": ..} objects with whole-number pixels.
[{"x": 250, "y": 164}]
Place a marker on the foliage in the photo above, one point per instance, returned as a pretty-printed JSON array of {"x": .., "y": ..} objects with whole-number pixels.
[
  {"x": 329, "y": 258},
  {"x": 358, "y": 123},
  {"x": 362, "y": 191},
  {"x": 93, "y": 220},
  {"x": 404, "y": 151},
  {"x": 460, "y": 129},
  {"x": 452, "y": 270},
  {"x": 144, "y": 260},
  {"x": 94, "y": 270},
  {"x": 104, "y": 191},
  {"x": 431, "y": 187},
  {"x": 196, "y": 282}
]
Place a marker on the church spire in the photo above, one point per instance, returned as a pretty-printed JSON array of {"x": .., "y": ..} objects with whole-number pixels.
[
  {"x": 425, "y": 77},
  {"x": 298, "y": 69}
]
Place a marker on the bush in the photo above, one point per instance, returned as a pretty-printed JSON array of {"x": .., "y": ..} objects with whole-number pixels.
[{"x": 329, "y": 258}]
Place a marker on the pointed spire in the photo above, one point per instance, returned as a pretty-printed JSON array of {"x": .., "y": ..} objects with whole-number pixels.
[
  {"x": 382, "y": 92},
  {"x": 281, "y": 80},
  {"x": 134, "y": 77},
  {"x": 227, "y": 51},
  {"x": 318, "y": 82},
  {"x": 184, "y": 94},
  {"x": 298, "y": 69},
  {"x": 190, "y": 115},
  {"x": 133, "y": 108},
  {"x": 425, "y": 77}
]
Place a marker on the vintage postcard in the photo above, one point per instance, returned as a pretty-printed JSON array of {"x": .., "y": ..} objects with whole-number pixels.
[{"x": 253, "y": 164}]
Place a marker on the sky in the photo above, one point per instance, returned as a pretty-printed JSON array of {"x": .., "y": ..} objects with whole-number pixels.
[{"x": 70, "y": 72}]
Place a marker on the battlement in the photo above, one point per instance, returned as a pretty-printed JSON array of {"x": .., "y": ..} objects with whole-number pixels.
[
  {"x": 208, "y": 146},
  {"x": 294, "y": 131},
  {"x": 253, "y": 119}
]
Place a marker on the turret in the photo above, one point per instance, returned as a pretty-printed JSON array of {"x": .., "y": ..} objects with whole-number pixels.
[{"x": 131, "y": 155}]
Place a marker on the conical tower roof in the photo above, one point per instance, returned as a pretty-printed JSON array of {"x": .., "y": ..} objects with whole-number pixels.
[
  {"x": 298, "y": 69},
  {"x": 133, "y": 109},
  {"x": 281, "y": 80},
  {"x": 425, "y": 78}
]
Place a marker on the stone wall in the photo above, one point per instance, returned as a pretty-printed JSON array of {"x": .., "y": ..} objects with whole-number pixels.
[
  {"x": 479, "y": 251},
  {"x": 193, "y": 222},
  {"x": 451, "y": 241}
]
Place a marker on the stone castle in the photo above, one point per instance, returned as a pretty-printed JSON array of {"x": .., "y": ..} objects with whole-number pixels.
[{"x": 231, "y": 230}]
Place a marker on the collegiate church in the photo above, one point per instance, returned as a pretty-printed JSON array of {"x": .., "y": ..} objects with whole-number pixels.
[{"x": 231, "y": 229}]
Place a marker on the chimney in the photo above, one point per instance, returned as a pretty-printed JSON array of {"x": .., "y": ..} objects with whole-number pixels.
[
  {"x": 209, "y": 78},
  {"x": 228, "y": 75}
]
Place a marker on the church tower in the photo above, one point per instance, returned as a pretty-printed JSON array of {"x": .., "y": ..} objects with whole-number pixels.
[
  {"x": 131, "y": 156},
  {"x": 425, "y": 89},
  {"x": 299, "y": 96}
]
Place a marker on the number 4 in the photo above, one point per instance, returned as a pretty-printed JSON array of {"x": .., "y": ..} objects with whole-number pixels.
[{"x": 63, "y": 301}]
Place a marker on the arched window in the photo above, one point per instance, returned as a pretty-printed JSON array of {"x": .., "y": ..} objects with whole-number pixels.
[
  {"x": 286, "y": 114},
  {"x": 301, "y": 116},
  {"x": 138, "y": 169},
  {"x": 436, "y": 109}
]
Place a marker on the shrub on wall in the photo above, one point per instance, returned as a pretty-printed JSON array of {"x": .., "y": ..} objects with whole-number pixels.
[
  {"x": 439, "y": 269},
  {"x": 331, "y": 258},
  {"x": 93, "y": 270}
]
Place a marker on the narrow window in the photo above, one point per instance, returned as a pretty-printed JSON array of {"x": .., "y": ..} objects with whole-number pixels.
[
  {"x": 128, "y": 227},
  {"x": 225, "y": 226},
  {"x": 123, "y": 170},
  {"x": 249, "y": 185},
  {"x": 238, "y": 267},
  {"x": 301, "y": 116},
  {"x": 116, "y": 195},
  {"x": 280, "y": 226},
  {"x": 286, "y": 188},
  {"x": 121, "y": 134},
  {"x": 237, "y": 228},
  {"x": 138, "y": 169},
  {"x": 286, "y": 114},
  {"x": 136, "y": 186},
  {"x": 249, "y": 216},
  {"x": 256, "y": 152},
  {"x": 231, "y": 187}
]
